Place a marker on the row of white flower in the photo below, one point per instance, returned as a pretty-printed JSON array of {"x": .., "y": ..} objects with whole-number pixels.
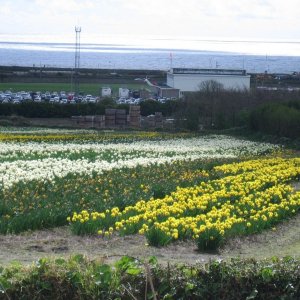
[
  {"x": 121, "y": 155},
  {"x": 200, "y": 145},
  {"x": 39, "y": 130},
  {"x": 51, "y": 168}
]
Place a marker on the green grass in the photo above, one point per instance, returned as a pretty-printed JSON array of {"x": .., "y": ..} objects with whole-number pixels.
[{"x": 86, "y": 88}]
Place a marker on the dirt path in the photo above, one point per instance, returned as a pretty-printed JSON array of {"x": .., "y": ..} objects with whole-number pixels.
[{"x": 59, "y": 242}]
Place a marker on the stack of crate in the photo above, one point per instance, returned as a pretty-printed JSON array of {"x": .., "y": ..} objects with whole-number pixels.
[
  {"x": 89, "y": 119},
  {"x": 135, "y": 116},
  {"x": 99, "y": 121},
  {"x": 76, "y": 119},
  {"x": 121, "y": 118},
  {"x": 158, "y": 120},
  {"x": 110, "y": 117},
  {"x": 150, "y": 121},
  {"x": 79, "y": 120}
]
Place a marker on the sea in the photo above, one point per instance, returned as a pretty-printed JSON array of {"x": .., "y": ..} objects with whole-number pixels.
[{"x": 154, "y": 54}]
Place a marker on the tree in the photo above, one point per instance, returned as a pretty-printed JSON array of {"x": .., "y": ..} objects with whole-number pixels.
[{"x": 211, "y": 90}]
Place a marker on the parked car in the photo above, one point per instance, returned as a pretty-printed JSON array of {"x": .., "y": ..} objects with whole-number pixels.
[
  {"x": 64, "y": 101},
  {"x": 37, "y": 98}
]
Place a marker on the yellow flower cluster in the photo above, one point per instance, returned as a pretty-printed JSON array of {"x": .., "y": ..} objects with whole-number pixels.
[
  {"x": 250, "y": 196},
  {"x": 100, "y": 137},
  {"x": 85, "y": 216}
]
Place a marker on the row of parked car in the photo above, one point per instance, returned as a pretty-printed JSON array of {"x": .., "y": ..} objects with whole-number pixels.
[
  {"x": 54, "y": 97},
  {"x": 63, "y": 98}
]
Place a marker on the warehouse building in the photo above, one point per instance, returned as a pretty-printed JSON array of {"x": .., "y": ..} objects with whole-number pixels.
[{"x": 190, "y": 80}]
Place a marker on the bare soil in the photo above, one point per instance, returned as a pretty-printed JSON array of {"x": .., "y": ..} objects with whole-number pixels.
[{"x": 59, "y": 242}]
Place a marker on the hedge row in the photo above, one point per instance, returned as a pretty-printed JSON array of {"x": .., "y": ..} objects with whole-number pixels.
[
  {"x": 78, "y": 278},
  {"x": 280, "y": 119},
  {"x": 56, "y": 110},
  {"x": 51, "y": 110}
]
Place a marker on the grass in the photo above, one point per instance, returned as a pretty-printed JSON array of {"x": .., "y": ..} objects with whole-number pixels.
[{"x": 86, "y": 88}]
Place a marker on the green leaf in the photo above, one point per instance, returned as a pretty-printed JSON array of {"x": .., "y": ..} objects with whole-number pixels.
[
  {"x": 124, "y": 263},
  {"x": 60, "y": 261},
  {"x": 153, "y": 260},
  {"x": 103, "y": 275},
  {"x": 4, "y": 285},
  {"x": 189, "y": 286},
  {"x": 267, "y": 274},
  {"x": 133, "y": 271},
  {"x": 78, "y": 258}
]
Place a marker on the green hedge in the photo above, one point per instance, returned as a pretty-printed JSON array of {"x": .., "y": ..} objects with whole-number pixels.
[
  {"x": 56, "y": 110},
  {"x": 51, "y": 110},
  {"x": 78, "y": 278},
  {"x": 277, "y": 119}
]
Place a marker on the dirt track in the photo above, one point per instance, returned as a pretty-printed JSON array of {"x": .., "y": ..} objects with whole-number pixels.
[{"x": 30, "y": 246}]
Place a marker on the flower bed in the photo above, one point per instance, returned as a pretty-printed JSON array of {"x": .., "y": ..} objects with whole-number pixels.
[
  {"x": 46, "y": 175},
  {"x": 248, "y": 197}
]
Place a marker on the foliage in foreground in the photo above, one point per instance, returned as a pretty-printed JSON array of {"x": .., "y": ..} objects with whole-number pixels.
[{"x": 129, "y": 278}]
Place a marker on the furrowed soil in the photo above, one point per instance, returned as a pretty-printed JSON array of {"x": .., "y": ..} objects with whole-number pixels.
[{"x": 284, "y": 240}]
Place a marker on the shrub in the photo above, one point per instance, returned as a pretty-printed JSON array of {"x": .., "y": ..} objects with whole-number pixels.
[
  {"x": 130, "y": 278},
  {"x": 277, "y": 119}
]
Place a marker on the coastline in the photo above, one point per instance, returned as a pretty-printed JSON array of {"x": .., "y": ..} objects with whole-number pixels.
[{"x": 87, "y": 75}]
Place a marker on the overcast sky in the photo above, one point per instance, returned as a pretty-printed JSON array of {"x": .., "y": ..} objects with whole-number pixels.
[{"x": 200, "y": 19}]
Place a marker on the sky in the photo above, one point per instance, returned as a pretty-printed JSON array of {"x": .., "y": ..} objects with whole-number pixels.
[{"x": 54, "y": 20}]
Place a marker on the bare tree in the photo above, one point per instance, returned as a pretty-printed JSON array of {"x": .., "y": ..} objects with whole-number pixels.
[{"x": 211, "y": 90}]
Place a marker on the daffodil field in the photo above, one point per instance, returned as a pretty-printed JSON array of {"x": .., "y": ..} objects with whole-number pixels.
[
  {"x": 244, "y": 198},
  {"x": 166, "y": 186}
]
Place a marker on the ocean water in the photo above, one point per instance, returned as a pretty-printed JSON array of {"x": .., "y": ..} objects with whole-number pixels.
[{"x": 255, "y": 56}]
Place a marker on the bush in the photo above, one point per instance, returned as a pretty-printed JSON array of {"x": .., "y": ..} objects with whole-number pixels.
[
  {"x": 55, "y": 110},
  {"x": 130, "y": 278},
  {"x": 282, "y": 120}
]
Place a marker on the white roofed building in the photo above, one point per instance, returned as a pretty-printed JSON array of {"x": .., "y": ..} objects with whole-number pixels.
[{"x": 190, "y": 80}]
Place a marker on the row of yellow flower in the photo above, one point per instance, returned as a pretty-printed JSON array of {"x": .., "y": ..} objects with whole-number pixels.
[
  {"x": 250, "y": 196},
  {"x": 88, "y": 136}
]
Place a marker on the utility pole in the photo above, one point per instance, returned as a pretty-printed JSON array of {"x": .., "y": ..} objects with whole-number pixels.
[{"x": 77, "y": 61}]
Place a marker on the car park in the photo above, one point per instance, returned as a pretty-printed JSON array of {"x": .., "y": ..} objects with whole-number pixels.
[{"x": 63, "y": 97}]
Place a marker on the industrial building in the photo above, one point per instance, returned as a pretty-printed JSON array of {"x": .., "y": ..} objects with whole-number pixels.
[
  {"x": 190, "y": 80},
  {"x": 163, "y": 91}
]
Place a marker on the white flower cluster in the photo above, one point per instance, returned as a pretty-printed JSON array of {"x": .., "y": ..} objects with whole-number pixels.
[
  {"x": 40, "y": 130},
  {"x": 223, "y": 145},
  {"x": 34, "y": 161}
]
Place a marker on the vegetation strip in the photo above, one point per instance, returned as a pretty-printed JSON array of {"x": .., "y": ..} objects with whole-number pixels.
[{"x": 129, "y": 278}]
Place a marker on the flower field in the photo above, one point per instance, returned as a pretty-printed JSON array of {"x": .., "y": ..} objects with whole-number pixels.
[
  {"x": 165, "y": 186},
  {"x": 248, "y": 197}
]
